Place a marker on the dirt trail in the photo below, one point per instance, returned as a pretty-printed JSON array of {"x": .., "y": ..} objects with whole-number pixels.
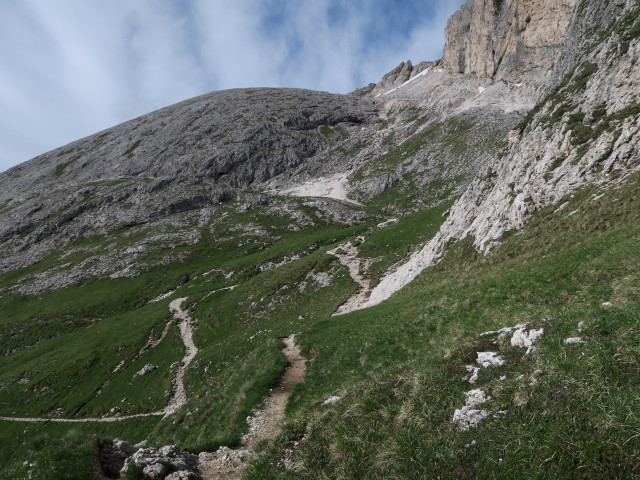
[
  {"x": 350, "y": 260},
  {"x": 179, "y": 395},
  {"x": 229, "y": 464}
]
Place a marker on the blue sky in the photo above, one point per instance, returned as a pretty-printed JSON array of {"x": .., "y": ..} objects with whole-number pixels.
[{"x": 69, "y": 68}]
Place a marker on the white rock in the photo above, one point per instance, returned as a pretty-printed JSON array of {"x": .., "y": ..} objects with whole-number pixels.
[
  {"x": 467, "y": 417},
  {"x": 476, "y": 397},
  {"x": 502, "y": 333},
  {"x": 155, "y": 470},
  {"x": 581, "y": 326},
  {"x": 489, "y": 359},
  {"x": 570, "y": 340},
  {"x": 332, "y": 400},
  {"x": 607, "y": 304},
  {"x": 472, "y": 374},
  {"x": 144, "y": 370},
  {"x": 523, "y": 337}
]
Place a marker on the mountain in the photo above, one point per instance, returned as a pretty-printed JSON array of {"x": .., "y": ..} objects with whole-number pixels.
[{"x": 435, "y": 276}]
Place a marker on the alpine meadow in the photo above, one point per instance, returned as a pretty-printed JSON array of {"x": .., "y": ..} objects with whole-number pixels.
[{"x": 432, "y": 277}]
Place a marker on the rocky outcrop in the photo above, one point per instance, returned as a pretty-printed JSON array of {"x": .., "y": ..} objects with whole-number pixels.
[
  {"x": 165, "y": 463},
  {"x": 400, "y": 75},
  {"x": 236, "y": 137},
  {"x": 112, "y": 455},
  {"x": 514, "y": 40},
  {"x": 586, "y": 131}
]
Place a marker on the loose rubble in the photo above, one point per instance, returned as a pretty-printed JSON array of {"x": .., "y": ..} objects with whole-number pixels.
[
  {"x": 522, "y": 335},
  {"x": 526, "y": 337},
  {"x": 144, "y": 370},
  {"x": 489, "y": 359}
]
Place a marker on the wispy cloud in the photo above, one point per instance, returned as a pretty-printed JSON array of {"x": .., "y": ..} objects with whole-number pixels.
[{"x": 73, "y": 67}]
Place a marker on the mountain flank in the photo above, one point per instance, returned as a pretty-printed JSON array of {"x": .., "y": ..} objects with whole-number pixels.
[{"x": 453, "y": 249}]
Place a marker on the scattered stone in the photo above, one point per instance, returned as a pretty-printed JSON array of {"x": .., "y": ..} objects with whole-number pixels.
[
  {"x": 466, "y": 417},
  {"x": 570, "y": 340},
  {"x": 332, "y": 400},
  {"x": 526, "y": 337},
  {"x": 476, "y": 397},
  {"x": 112, "y": 455},
  {"x": 156, "y": 470},
  {"x": 502, "y": 333},
  {"x": 182, "y": 475},
  {"x": 607, "y": 304},
  {"x": 489, "y": 359},
  {"x": 581, "y": 326},
  {"x": 223, "y": 462},
  {"x": 144, "y": 370},
  {"x": 472, "y": 374}
]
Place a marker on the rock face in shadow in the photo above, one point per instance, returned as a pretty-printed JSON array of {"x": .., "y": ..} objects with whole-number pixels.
[{"x": 515, "y": 40}]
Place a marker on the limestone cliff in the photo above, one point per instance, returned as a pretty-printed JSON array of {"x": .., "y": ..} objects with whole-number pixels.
[
  {"x": 585, "y": 131},
  {"x": 514, "y": 40}
]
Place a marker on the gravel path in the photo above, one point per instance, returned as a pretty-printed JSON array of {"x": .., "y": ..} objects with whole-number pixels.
[
  {"x": 349, "y": 258},
  {"x": 229, "y": 464}
]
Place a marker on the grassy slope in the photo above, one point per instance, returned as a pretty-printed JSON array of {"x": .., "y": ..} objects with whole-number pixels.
[
  {"x": 398, "y": 366},
  {"x": 106, "y": 321}
]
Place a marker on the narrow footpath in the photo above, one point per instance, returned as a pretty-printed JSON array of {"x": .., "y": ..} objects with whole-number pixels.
[
  {"x": 347, "y": 255},
  {"x": 229, "y": 464}
]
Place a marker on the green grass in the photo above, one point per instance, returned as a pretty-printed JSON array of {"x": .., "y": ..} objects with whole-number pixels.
[
  {"x": 390, "y": 244},
  {"x": 132, "y": 148},
  {"x": 398, "y": 366},
  {"x": 70, "y": 340},
  {"x": 60, "y": 168}
]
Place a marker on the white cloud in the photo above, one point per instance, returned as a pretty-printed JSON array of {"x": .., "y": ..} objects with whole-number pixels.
[{"x": 73, "y": 67}]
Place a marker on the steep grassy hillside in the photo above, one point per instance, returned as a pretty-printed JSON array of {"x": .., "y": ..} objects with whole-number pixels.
[{"x": 571, "y": 409}]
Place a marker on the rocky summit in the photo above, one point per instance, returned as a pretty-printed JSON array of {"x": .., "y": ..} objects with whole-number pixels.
[{"x": 434, "y": 276}]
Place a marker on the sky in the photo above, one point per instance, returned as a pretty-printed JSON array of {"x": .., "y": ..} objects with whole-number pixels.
[{"x": 70, "y": 68}]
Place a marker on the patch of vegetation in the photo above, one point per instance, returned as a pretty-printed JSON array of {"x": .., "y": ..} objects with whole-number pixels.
[
  {"x": 60, "y": 168},
  {"x": 131, "y": 149},
  {"x": 392, "y": 243}
]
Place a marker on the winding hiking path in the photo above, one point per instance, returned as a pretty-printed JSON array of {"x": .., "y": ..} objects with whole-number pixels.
[
  {"x": 179, "y": 397},
  {"x": 349, "y": 258},
  {"x": 179, "y": 394},
  {"x": 229, "y": 464}
]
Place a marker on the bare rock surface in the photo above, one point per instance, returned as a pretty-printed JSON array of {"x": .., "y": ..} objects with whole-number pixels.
[
  {"x": 546, "y": 162},
  {"x": 515, "y": 40}
]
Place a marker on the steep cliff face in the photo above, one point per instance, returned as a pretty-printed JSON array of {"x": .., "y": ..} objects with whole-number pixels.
[
  {"x": 586, "y": 131},
  {"x": 515, "y": 40}
]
